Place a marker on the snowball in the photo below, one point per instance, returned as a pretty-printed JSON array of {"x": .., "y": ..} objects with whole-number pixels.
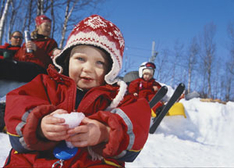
[{"x": 73, "y": 120}]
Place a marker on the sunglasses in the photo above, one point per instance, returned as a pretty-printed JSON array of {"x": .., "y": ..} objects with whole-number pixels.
[{"x": 17, "y": 37}]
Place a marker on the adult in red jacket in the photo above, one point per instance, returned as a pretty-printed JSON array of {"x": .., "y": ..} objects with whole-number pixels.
[
  {"x": 145, "y": 86},
  {"x": 42, "y": 45},
  {"x": 7, "y": 51},
  {"x": 115, "y": 128},
  {"x": 27, "y": 65}
]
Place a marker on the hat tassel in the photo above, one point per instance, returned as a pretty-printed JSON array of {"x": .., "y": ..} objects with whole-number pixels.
[{"x": 119, "y": 96}]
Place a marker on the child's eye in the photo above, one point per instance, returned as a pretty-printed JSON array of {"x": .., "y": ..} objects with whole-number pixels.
[
  {"x": 100, "y": 63},
  {"x": 80, "y": 58}
]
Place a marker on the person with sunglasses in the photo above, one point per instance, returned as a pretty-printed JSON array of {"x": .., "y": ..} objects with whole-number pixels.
[
  {"x": 38, "y": 50},
  {"x": 27, "y": 65},
  {"x": 7, "y": 51},
  {"x": 84, "y": 79},
  {"x": 21, "y": 67},
  {"x": 145, "y": 86}
]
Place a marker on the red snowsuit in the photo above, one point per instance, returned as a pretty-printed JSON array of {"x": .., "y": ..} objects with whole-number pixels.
[
  {"x": 144, "y": 89},
  {"x": 42, "y": 56},
  {"x": 8, "y": 47},
  {"x": 25, "y": 107}
]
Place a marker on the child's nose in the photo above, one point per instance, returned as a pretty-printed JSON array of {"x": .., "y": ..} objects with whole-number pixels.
[{"x": 87, "y": 67}]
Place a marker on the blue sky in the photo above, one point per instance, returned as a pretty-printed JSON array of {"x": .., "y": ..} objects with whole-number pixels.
[{"x": 165, "y": 22}]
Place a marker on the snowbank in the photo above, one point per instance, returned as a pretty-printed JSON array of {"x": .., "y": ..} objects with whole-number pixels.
[{"x": 203, "y": 139}]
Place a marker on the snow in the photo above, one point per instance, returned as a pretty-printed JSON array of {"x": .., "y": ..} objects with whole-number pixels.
[
  {"x": 203, "y": 139},
  {"x": 8, "y": 86},
  {"x": 72, "y": 119}
]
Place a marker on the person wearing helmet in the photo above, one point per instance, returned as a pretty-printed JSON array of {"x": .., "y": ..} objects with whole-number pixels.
[
  {"x": 85, "y": 80},
  {"x": 145, "y": 86}
]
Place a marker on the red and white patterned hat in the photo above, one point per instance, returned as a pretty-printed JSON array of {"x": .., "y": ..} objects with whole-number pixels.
[{"x": 96, "y": 31}]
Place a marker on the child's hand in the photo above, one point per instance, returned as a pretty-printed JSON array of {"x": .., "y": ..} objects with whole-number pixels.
[
  {"x": 135, "y": 94},
  {"x": 155, "y": 88},
  {"x": 90, "y": 133},
  {"x": 53, "y": 128}
]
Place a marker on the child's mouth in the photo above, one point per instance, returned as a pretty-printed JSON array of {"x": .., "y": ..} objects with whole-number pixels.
[{"x": 87, "y": 79}]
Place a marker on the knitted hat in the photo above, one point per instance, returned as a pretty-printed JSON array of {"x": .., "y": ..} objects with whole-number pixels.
[
  {"x": 96, "y": 31},
  {"x": 41, "y": 19}
]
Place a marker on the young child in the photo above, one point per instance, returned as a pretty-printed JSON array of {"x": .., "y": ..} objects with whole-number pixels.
[
  {"x": 145, "y": 86},
  {"x": 115, "y": 128}
]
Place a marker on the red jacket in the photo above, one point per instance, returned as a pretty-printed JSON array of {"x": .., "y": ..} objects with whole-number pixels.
[
  {"x": 26, "y": 106},
  {"x": 8, "y": 47},
  {"x": 42, "y": 56},
  {"x": 143, "y": 88}
]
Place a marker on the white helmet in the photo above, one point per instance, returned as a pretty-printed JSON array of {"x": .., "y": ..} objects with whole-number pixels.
[{"x": 146, "y": 65}]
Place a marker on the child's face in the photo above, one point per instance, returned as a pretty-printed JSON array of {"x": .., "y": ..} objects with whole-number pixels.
[
  {"x": 87, "y": 66},
  {"x": 147, "y": 76}
]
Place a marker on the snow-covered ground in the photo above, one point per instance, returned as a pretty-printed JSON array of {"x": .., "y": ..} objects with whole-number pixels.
[{"x": 203, "y": 139}]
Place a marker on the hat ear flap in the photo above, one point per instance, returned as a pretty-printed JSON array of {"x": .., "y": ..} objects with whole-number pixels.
[{"x": 122, "y": 90}]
